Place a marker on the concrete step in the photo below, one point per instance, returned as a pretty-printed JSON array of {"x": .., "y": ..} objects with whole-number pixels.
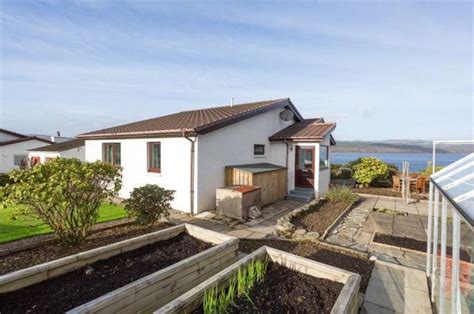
[{"x": 306, "y": 195}]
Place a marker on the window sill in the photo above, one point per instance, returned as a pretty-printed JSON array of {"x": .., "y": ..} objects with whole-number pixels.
[
  {"x": 259, "y": 156},
  {"x": 154, "y": 171}
]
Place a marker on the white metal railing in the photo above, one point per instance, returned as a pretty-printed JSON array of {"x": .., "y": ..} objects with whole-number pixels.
[{"x": 451, "y": 277}]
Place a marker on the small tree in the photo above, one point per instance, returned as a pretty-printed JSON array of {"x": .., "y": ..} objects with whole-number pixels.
[
  {"x": 64, "y": 193},
  {"x": 148, "y": 204},
  {"x": 368, "y": 169}
]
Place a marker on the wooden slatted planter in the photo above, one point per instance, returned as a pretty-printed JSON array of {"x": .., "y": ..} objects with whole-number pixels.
[
  {"x": 345, "y": 303},
  {"x": 149, "y": 292}
]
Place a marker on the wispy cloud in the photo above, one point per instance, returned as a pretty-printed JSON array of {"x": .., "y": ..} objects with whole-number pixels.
[{"x": 398, "y": 68}]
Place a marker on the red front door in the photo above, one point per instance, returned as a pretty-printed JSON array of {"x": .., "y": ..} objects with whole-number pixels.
[{"x": 304, "y": 167}]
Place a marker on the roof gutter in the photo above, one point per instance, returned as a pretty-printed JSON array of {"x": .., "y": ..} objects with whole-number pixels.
[{"x": 191, "y": 168}]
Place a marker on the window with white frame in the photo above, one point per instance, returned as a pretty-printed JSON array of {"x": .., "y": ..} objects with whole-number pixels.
[{"x": 323, "y": 156}]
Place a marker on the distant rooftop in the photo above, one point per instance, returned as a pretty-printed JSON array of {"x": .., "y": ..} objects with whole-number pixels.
[{"x": 59, "y": 147}]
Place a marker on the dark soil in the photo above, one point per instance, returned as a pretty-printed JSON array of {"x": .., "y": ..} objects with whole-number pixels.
[
  {"x": 320, "y": 216},
  {"x": 286, "y": 291},
  {"x": 55, "y": 250},
  {"x": 80, "y": 286},
  {"x": 388, "y": 192},
  {"x": 416, "y": 245},
  {"x": 322, "y": 253}
]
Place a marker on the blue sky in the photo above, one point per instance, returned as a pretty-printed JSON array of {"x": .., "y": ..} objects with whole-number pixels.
[{"x": 381, "y": 70}]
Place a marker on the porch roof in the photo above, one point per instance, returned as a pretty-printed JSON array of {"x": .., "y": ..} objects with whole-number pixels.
[{"x": 313, "y": 130}]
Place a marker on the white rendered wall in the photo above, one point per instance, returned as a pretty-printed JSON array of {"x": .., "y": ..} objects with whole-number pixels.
[
  {"x": 4, "y": 137},
  {"x": 233, "y": 145},
  {"x": 78, "y": 153},
  {"x": 8, "y": 151},
  {"x": 175, "y": 166}
]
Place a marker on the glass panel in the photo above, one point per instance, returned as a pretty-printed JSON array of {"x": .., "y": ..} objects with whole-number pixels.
[
  {"x": 323, "y": 156},
  {"x": 117, "y": 154},
  {"x": 155, "y": 156},
  {"x": 112, "y": 153},
  {"x": 259, "y": 149},
  {"x": 305, "y": 159}
]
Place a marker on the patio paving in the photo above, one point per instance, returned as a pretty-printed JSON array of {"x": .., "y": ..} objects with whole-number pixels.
[
  {"x": 358, "y": 228},
  {"x": 396, "y": 289}
]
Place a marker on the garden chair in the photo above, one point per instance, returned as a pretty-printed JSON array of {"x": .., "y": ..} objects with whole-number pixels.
[
  {"x": 421, "y": 184},
  {"x": 396, "y": 183}
]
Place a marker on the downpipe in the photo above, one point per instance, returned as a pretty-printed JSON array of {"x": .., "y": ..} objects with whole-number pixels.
[{"x": 193, "y": 152}]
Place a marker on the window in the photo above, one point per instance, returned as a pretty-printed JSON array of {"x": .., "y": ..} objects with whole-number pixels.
[
  {"x": 259, "y": 150},
  {"x": 323, "y": 156},
  {"x": 20, "y": 160},
  {"x": 154, "y": 157},
  {"x": 111, "y": 153}
]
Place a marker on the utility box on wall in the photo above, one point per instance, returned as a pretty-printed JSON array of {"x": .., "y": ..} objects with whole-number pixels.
[
  {"x": 235, "y": 201},
  {"x": 270, "y": 178}
]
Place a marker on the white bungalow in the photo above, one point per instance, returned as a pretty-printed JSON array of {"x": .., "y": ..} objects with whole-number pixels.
[
  {"x": 14, "y": 149},
  {"x": 70, "y": 149},
  {"x": 188, "y": 151}
]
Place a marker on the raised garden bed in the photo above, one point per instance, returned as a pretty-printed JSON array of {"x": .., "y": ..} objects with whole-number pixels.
[
  {"x": 290, "y": 284},
  {"x": 142, "y": 273},
  {"x": 413, "y": 245},
  {"x": 344, "y": 258},
  {"x": 320, "y": 216},
  {"x": 312, "y": 221},
  {"x": 52, "y": 249}
]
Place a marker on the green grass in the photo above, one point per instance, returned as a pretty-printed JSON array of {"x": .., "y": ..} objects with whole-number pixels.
[{"x": 23, "y": 227}]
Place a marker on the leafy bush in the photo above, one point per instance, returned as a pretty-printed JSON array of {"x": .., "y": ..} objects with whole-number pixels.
[
  {"x": 341, "y": 194},
  {"x": 64, "y": 193},
  {"x": 429, "y": 170},
  {"x": 339, "y": 171},
  {"x": 4, "y": 179},
  {"x": 370, "y": 169},
  {"x": 148, "y": 204}
]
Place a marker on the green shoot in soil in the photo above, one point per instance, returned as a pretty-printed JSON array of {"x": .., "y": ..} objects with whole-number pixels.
[{"x": 239, "y": 285}]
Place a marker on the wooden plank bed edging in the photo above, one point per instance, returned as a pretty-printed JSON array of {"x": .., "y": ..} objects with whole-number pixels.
[
  {"x": 151, "y": 291},
  {"x": 345, "y": 303}
]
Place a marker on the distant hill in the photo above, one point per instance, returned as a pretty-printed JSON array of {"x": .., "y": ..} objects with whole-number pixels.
[{"x": 398, "y": 146}]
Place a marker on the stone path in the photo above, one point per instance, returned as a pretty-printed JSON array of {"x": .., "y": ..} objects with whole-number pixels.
[{"x": 396, "y": 289}]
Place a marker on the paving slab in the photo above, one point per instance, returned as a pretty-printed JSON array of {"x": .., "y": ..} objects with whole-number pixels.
[{"x": 397, "y": 288}]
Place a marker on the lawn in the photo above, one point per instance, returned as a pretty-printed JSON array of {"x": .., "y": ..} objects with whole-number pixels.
[{"x": 23, "y": 227}]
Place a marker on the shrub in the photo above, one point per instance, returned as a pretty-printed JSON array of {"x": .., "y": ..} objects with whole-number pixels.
[
  {"x": 148, "y": 204},
  {"x": 369, "y": 169},
  {"x": 339, "y": 171},
  {"x": 341, "y": 194},
  {"x": 4, "y": 179},
  {"x": 429, "y": 170},
  {"x": 64, "y": 193}
]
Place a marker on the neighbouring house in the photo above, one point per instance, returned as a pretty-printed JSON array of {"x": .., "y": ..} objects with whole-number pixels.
[
  {"x": 189, "y": 151},
  {"x": 70, "y": 149},
  {"x": 14, "y": 149}
]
